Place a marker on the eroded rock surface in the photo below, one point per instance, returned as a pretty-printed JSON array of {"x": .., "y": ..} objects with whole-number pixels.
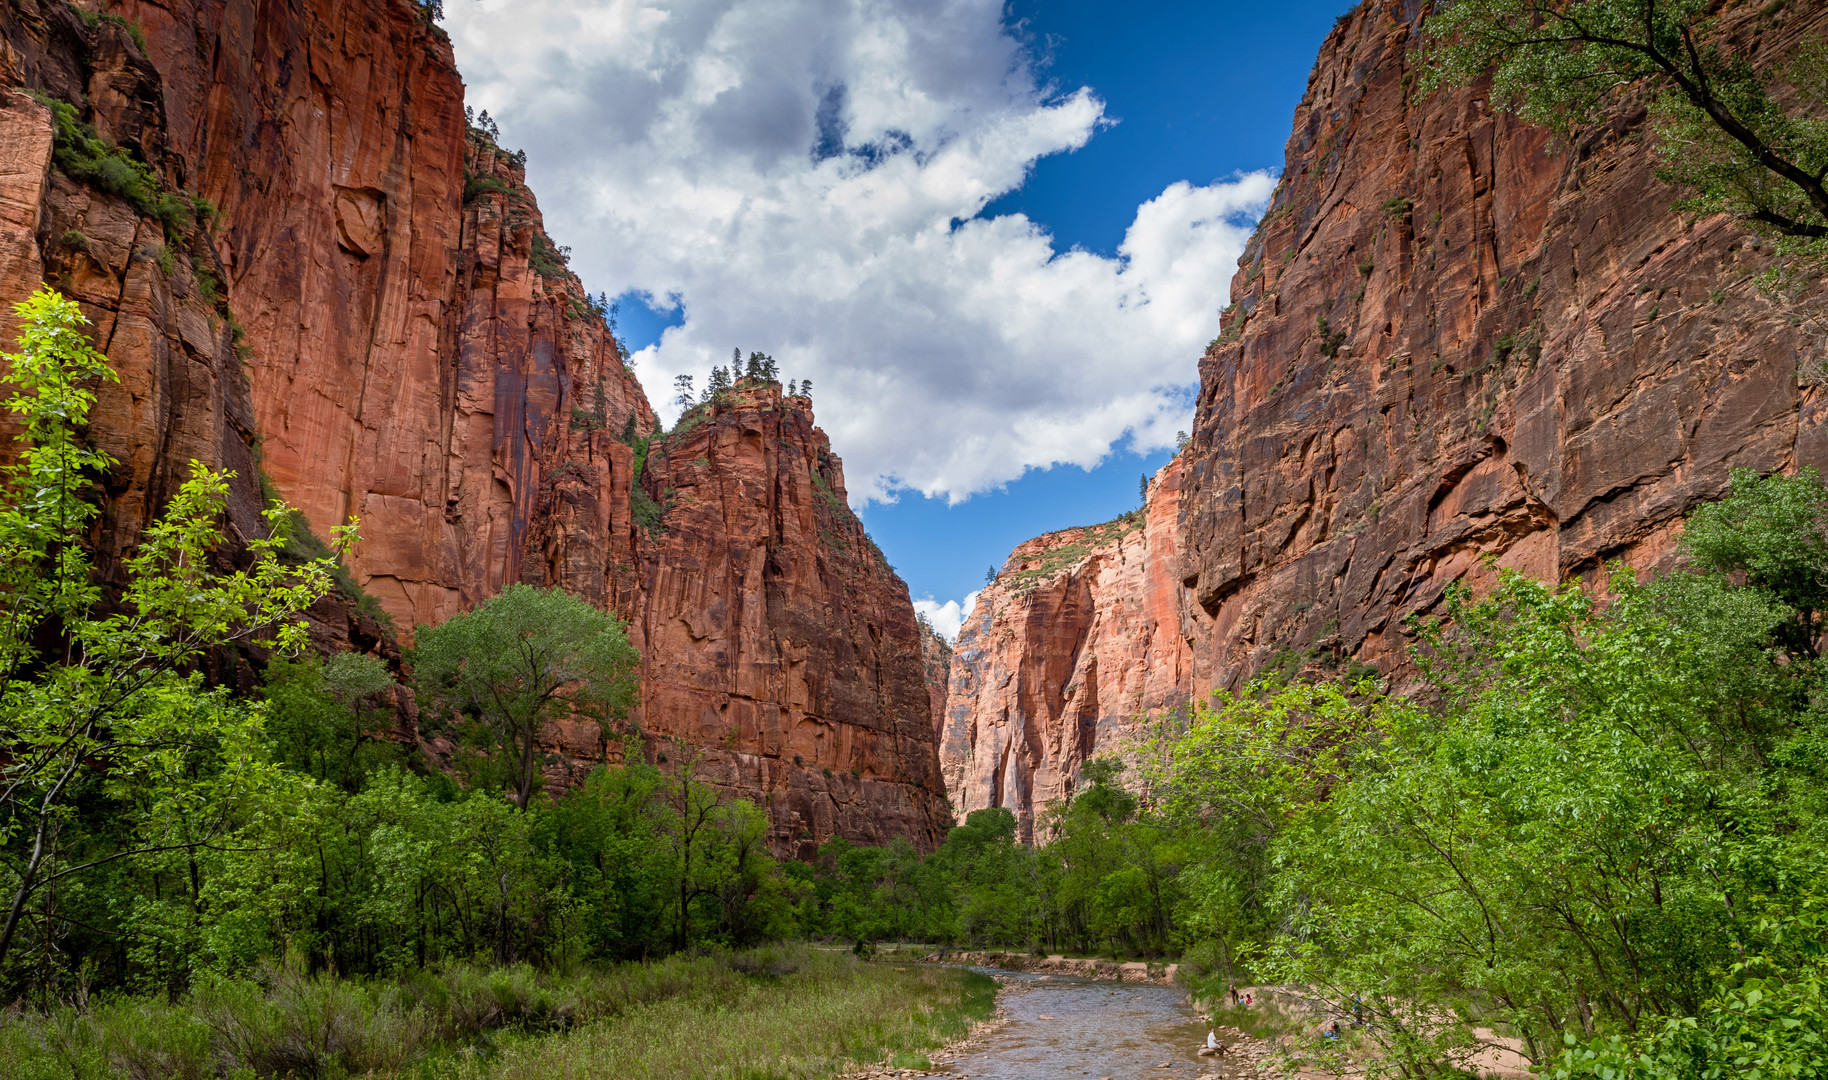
[
  {"x": 775, "y": 634},
  {"x": 1085, "y": 639},
  {"x": 1451, "y": 339}
]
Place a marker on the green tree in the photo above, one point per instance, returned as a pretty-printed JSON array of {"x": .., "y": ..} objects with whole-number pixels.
[
  {"x": 717, "y": 857},
  {"x": 1568, "y": 835},
  {"x": 1747, "y": 143},
  {"x": 101, "y": 692},
  {"x": 330, "y": 718},
  {"x": 1771, "y": 530},
  {"x": 610, "y": 831},
  {"x": 520, "y": 660},
  {"x": 993, "y": 879},
  {"x": 1247, "y": 765}
]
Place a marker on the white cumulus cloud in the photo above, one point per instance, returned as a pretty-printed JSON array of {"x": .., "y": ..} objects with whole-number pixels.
[
  {"x": 948, "y": 617},
  {"x": 804, "y": 177}
]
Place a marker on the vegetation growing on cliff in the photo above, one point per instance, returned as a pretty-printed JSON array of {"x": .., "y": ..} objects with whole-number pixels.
[
  {"x": 1091, "y": 537},
  {"x": 79, "y": 153},
  {"x": 1750, "y": 139}
]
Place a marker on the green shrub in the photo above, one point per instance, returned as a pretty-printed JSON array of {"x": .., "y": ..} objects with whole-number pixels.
[
  {"x": 648, "y": 513},
  {"x": 475, "y": 187},
  {"x": 79, "y": 153}
]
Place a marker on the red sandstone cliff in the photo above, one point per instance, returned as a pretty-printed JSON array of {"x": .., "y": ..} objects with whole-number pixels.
[
  {"x": 775, "y": 632},
  {"x": 1449, "y": 342},
  {"x": 376, "y": 306},
  {"x": 936, "y": 656},
  {"x": 1086, "y": 637}
]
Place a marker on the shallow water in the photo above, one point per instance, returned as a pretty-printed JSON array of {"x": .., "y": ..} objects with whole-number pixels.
[{"x": 1072, "y": 1028}]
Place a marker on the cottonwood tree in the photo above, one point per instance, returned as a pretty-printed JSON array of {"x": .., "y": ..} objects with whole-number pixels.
[
  {"x": 101, "y": 694},
  {"x": 519, "y": 660},
  {"x": 1750, "y": 138}
]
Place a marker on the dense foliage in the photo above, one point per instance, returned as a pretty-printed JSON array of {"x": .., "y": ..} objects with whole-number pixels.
[
  {"x": 1598, "y": 825},
  {"x": 1107, "y": 881},
  {"x": 1595, "y": 827},
  {"x": 156, "y": 830}
]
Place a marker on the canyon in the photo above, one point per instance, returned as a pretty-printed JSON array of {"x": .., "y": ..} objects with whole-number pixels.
[
  {"x": 334, "y": 285},
  {"x": 1455, "y": 344}
]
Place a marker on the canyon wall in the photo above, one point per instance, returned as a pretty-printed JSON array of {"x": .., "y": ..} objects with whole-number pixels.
[
  {"x": 1084, "y": 641},
  {"x": 367, "y": 309},
  {"x": 1453, "y": 339},
  {"x": 776, "y": 638}
]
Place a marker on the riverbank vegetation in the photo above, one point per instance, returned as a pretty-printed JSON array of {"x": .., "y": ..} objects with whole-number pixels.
[
  {"x": 203, "y": 880},
  {"x": 787, "y": 1012},
  {"x": 1593, "y": 827},
  {"x": 1593, "y": 824}
]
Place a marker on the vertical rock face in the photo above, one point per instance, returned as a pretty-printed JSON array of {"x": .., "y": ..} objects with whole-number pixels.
[
  {"x": 1085, "y": 638},
  {"x": 1449, "y": 340},
  {"x": 376, "y": 318},
  {"x": 936, "y": 656},
  {"x": 411, "y": 363},
  {"x": 776, "y": 635},
  {"x": 151, "y": 290}
]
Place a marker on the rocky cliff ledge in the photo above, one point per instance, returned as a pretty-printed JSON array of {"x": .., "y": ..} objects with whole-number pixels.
[
  {"x": 1086, "y": 637},
  {"x": 327, "y": 275},
  {"x": 1450, "y": 340}
]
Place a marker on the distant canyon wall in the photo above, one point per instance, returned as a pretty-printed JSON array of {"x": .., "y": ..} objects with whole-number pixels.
[
  {"x": 1452, "y": 339},
  {"x": 1086, "y": 638}
]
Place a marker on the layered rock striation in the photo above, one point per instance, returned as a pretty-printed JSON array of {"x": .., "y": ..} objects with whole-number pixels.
[
  {"x": 356, "y": 299},
  {"x": 1452, "y": 339},
  {"x": 1084, "y": 642},
  {"x": 776, "y": 637},
  {"x": 416, "y": 347}
]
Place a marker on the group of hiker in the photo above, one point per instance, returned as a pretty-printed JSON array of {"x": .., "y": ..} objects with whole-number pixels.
[{"x": 1216, "y": 1048}]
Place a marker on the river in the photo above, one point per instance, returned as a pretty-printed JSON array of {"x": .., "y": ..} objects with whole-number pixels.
[{"x": 1064, "y": 1028}]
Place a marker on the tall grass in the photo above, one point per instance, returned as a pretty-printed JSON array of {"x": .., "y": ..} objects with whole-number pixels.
[
  {"x": 777, "y": 1012},
  {"x": 834, "y": 1012}
]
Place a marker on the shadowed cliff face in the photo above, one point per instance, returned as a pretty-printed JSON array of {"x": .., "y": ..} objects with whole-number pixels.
[
  {"x": 1084, "y": 641},
  {"x": 1448, "y": 343},
  {"x": 413, "y": 354}
]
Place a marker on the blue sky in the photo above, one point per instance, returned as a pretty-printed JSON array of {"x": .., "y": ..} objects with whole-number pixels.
[{"x": 995, "y": 235}]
